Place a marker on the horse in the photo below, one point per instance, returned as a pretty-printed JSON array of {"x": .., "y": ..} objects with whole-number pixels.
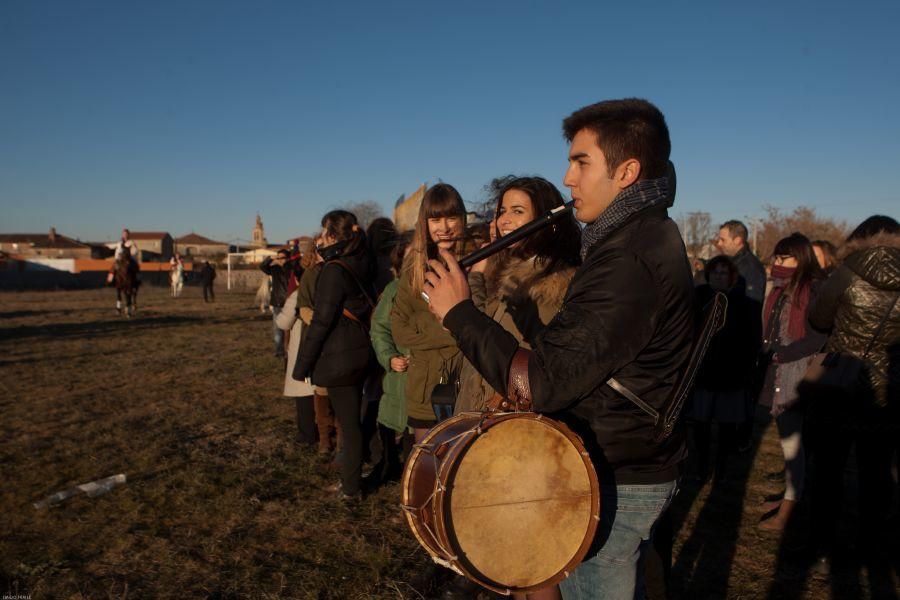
[
  {"x": 126, "y": 282},
  {"x": 264, "y": 294},
  {"x": 176, "y": 278}
]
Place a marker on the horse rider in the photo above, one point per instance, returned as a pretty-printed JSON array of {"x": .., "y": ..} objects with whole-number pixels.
[{"x": 129, "y": 246}]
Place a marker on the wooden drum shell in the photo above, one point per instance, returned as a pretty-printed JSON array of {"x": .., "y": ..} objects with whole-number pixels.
[{"x": 510, "y": 500}]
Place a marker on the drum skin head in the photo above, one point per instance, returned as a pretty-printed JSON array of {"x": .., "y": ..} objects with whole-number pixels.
[{"x": 519, "y": 503}]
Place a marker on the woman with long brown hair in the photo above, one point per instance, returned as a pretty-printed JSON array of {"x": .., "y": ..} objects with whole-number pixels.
[
  {"x": 523, "y": 286},
  {"x": 789, "y": 344},
  {"x": 434, "y": 358}
]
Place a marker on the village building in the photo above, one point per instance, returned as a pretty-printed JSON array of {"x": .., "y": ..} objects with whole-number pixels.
[
  {"x": 45, "y": 245},
  {"x": 196, "y": 246},
  {"x": 407, "y": 209}
]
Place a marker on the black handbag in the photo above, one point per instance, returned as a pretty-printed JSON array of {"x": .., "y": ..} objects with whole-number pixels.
[
  {"x": 444, "y": 393},
  {"x": 837, "y": 372}
]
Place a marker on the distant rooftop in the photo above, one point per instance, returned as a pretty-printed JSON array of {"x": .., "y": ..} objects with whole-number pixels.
[
  {"x": 148, "y": 235},
  {"x": 196, "y": 238},
  {"x": 42, "y": 240}
]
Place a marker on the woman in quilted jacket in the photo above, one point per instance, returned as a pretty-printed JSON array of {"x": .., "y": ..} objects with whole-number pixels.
[{"x": 858, "y": 305}]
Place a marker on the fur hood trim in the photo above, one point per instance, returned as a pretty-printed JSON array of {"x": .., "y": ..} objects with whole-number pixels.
[
  {"x": 876, "y": 260},
  {"x": 525, "y": 277},
  {"x": 890, "y": 240}
]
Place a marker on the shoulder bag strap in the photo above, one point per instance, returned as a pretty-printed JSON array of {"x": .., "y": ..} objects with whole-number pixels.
[
  {"x": 880, "y": 326},
  {"x": 347, "y": 268}
]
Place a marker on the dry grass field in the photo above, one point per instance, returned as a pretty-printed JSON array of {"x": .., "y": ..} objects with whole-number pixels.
[{"x": 219, "y": 503}]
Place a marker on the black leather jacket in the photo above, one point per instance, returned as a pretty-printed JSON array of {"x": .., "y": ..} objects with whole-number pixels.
[
  {"x": 280, "y": 276},
  {"x": 628, "y": 314}
]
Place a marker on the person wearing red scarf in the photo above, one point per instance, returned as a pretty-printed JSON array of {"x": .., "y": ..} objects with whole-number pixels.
[{"x": 789, "y": 345}]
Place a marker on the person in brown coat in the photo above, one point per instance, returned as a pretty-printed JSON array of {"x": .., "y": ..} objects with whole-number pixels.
[{"x": 523, "y": 287}]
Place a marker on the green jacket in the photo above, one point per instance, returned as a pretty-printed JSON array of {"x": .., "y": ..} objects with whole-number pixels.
[
  {"x": 392, "y": 408},
  {"x": 307, "y": 286},
  {"x": 433, "y": 351}
]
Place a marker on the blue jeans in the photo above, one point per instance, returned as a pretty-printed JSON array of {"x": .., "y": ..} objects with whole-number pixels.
[
  {"x": 628, "y": 515},
  {"x": 442, "y": 411},
  {"x": 277, "y": 334}
]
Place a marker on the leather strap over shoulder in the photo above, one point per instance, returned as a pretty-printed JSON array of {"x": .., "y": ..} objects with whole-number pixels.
[{"x": 518, "y": 388}]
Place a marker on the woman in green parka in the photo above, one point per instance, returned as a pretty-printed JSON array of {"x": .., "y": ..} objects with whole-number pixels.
[
  {"x": 434, "y": 357},
  {"x": 395, "y": 360}
]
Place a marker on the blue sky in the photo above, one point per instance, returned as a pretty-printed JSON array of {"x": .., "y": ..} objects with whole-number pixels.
[{"x": 183, "y": 116}]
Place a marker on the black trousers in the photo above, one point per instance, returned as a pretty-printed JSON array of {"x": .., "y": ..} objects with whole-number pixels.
[
  {"x": 833, "y": 428},
  {"x": 346, "y": 402},
  {"x": 306, "y": 420},
  {"x": 208, "y": 294}
]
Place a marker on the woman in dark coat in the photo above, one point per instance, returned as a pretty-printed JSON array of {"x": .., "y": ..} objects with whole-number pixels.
[
  {"x": 789, "y": 345},
  {"x": 724, "y": 380},
  {"x": 335, "y": 352},
  {"x": 858, "y": 305}
]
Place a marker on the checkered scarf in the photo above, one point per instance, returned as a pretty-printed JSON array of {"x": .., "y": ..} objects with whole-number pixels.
[{"x": 634, "y": 198}]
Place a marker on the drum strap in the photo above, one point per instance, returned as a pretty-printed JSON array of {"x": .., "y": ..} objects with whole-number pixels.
[{"x": 518, "y": 388}]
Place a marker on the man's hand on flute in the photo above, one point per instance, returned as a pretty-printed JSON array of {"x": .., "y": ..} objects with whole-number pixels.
[{"x": 445, "y": 286}]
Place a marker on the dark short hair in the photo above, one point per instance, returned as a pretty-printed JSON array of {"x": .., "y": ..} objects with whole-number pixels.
[
  {"x": 382, "y": 236},
  {"x": 284, "y": 252},
  {"x": 873, "y": 226},
  {"x": 717, "y": 261},
  {"x": 628, "y": 128},
  {"x": 736, "y": 229}
]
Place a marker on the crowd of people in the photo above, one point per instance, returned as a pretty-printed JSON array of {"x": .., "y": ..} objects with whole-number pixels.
[{"x": 385, "y": 336}]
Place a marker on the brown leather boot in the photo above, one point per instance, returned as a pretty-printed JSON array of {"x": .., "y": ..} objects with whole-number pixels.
[
  {"x": 324, "y": 421},
  {"x": 781, "y": 518}
]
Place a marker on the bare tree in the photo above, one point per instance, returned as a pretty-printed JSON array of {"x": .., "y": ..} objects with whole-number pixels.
[
  {"x": 697, "y": 231},
  {"x": 777, "y": 225},
  {"x": 365, "y": 212}
]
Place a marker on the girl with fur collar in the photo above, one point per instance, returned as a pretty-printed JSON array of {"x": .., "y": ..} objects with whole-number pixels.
[{"x": 522, "y": 287}]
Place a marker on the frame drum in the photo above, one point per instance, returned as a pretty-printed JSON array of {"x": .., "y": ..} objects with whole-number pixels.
[{"x": 509, "y": 500}]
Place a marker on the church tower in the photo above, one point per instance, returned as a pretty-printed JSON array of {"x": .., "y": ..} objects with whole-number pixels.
[{"x": 259, "y": 234}]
